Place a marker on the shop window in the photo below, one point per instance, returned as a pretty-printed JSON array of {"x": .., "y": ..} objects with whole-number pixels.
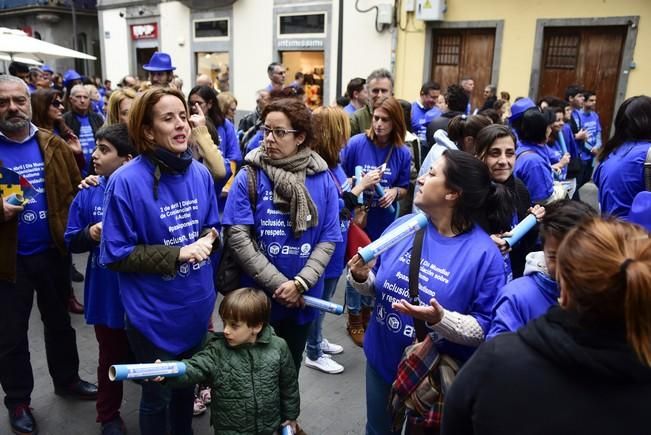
[
  {"x": 310, "y": 63},
  {"x": 215, "y": 65},
  {"x": 302, "y": 24},
  {"x": 562, "y": 51},
  {"x": 448, "y": 49},
  {"x": 211, "y": 29}
]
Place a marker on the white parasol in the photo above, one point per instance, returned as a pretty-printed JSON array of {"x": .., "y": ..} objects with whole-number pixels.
[{"x": 16, "y": 45}]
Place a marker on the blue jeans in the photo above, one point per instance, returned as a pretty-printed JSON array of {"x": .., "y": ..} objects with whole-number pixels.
[
  {"x": 355, "y": 301},
  {"x": 378, "y": 420},
  {"x": 314, "y": 337},
  {"x": 160, "y": 403}
]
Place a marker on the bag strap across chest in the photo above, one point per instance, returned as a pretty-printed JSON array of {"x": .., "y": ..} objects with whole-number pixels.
[{"x": 414, "y": 267}]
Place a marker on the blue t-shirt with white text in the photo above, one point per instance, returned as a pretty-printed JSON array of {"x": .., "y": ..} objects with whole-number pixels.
[
  {"x": 420, "y": 118},
  {"x": 590, "y": 121},
  {"x": 26, "y": 159},
  {"x": 360, "y": 151},
  {"x": 463, "y": 273},
  {"x": 102, "y": 304},
  {"x": 87, "y": 140},
  {"x": 274, "y": 235},
  {"x": 172, "y": 311}
]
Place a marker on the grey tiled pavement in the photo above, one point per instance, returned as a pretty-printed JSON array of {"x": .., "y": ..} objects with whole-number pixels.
[{"x": 330, "y": 404}]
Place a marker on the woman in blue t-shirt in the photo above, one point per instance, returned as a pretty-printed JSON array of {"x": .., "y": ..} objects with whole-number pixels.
[
  {"x": 223, "y": 135},
  {"x": 381, "y": 145},
  {"x": 282, "y": 220},
  {"x": 460, "y": 273},
  {"x": 159, "y": 225},
  {"x": 620, "y": 174},
  {"x": 495, "y": 146}
]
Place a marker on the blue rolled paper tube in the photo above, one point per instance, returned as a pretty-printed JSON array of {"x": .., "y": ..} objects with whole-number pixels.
[
  {"x": 168, "y": 369},
  {"x": 322, "y": 305},
  {"x": 287, "y": 430},
  {"x": 380, "y": 191},
  {"x": 521, "y": 229},
  {"x": 389, "y": 239},
  {"x": 358, "y": 179}
]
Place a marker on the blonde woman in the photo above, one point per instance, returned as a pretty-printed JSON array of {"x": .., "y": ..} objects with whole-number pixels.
[
  {"x": 119, "y": 105},
  {"x": 228, "y": 105}
]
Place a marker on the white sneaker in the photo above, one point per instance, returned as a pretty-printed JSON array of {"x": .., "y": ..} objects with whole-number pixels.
[
  {"x": 325, "y": 364},
  {"x": 331, "y": 348}
]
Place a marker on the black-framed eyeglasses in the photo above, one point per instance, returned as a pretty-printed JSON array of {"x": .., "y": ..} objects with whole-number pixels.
[
  {"x": 56, "y": 103},
  {"x": 278, "y": 133}
]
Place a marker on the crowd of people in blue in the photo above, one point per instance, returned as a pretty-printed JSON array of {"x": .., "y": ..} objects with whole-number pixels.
[{"x": 174, "y": 205}]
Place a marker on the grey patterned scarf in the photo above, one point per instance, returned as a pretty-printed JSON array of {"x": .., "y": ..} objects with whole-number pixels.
[{"x": 288, "y": 178}]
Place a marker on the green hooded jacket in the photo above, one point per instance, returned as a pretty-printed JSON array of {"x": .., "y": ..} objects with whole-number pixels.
[{"x": 254, "y": 385}]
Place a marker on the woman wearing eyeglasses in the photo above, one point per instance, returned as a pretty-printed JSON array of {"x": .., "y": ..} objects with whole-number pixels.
[
  {"x": 284, "y": 240},
  {"x": 380, "y": 146}
]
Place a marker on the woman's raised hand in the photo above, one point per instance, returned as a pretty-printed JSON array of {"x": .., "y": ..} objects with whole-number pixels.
[
  {"x": 73, "y": 142},
  {"x": 371, "y": 178},
  {"x": 358, "y": 269},
  {"x": 197, "y": 119},
  {"x": 502, "y": 244},
  {"x": 538, "y": 211},
  {"x": 432, "y": 313}
]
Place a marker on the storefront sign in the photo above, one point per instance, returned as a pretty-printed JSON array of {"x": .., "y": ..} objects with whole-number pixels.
[
  {"x": 144, "y": 31},
  {"x": 293, "y": 44}
]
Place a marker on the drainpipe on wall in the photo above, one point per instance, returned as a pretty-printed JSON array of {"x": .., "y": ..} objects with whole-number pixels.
[{"x": 340, "y": 48}]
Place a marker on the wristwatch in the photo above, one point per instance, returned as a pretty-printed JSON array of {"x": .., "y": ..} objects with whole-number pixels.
[{"x": 300, "y": 284}]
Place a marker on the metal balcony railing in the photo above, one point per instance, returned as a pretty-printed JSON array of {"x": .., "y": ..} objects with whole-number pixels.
[{"x": 79, "y": 4}]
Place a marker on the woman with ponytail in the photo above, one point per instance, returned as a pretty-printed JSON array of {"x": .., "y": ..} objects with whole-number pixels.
[
  {"x": 461, "y": 271},
  {"x": 585, "y": 366}
]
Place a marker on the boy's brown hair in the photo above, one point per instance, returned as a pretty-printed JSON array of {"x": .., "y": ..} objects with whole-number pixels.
[{"x": 248, "y": 305}]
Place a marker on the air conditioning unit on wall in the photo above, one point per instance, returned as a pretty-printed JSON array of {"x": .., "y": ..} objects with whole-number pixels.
[{"x": 430, "y": 10}]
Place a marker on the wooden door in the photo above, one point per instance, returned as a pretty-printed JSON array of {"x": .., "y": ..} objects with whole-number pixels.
[
  {"x": 588, "y": 56},
  {"x": 460, "y": 53}
]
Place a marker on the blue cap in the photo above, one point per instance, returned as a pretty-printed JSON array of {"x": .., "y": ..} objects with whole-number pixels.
[
  {"x": 159, "y": 62},
  {"x": 70, "y": 76},
  {"x": 47, "y": 68},
  {"x": 640, "y": 212},
  {"x": 519, "y": 107}
]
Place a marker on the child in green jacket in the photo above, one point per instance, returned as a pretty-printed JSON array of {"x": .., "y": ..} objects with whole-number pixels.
[{"x": 250, "y": 370}]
